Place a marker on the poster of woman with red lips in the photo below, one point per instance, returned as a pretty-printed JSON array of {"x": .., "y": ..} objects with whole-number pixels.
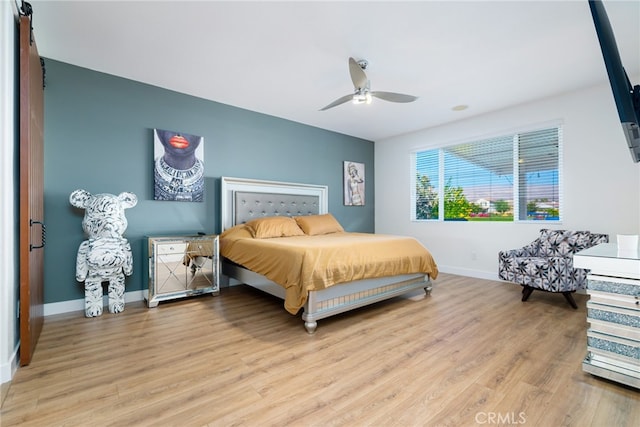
[{"x": 178, "y": 166}]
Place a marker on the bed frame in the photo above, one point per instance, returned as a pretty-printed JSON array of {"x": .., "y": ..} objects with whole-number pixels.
[{"x": 246, "y": 199}]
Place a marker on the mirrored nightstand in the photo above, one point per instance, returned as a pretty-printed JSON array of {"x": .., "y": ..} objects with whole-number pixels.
[{"x": 182, "y": 266}]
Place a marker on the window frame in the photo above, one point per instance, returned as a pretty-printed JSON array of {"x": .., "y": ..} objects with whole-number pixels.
[{"x": 514, "y": 134}]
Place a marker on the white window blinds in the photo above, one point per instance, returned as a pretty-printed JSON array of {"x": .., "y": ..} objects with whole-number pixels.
[
  {"x": 538, "y": 171},
  {"x": 475, "y": 181}
]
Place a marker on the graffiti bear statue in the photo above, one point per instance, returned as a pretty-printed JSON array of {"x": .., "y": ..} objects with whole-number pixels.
[{"x": 106, "y": 256}]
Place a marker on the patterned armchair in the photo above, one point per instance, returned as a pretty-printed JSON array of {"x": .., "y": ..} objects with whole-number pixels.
[{"x": 547, "y": 263}]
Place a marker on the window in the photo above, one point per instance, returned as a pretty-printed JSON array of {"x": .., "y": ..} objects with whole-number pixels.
[{"x": 513, "y": 177}]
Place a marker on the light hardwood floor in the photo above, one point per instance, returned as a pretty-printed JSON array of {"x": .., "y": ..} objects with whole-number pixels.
[{"x": 470, "y": 354}]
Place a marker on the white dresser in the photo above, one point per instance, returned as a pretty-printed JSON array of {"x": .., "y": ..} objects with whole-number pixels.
[{"x": 613, "y": 312}]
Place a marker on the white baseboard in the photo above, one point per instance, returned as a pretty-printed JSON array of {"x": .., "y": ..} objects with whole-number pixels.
[
  {"x": 8, "y": 369},
  {"x": 78, "y": 304},
  {"x": 489, "y": 275},
  {"x": 480, "y": 274}
]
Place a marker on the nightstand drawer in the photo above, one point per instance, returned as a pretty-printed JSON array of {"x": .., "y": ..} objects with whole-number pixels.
[
  {"x": 177, "y": 247},
  {"x": 615, "y": 300},
  {"x": 619, "y": 348},
  {"x": 614, "y": 285},
  {"x": 612, "y": 320}
]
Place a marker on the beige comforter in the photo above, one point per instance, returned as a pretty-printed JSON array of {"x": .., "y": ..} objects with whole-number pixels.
[{"x": 304, "y": 263}]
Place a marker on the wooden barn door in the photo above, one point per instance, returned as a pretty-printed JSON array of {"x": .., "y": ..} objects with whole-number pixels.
[{"x": 32, "y": 231}]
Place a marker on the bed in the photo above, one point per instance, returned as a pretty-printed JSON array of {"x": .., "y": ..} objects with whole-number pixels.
[{"x": 250, "y": 207}]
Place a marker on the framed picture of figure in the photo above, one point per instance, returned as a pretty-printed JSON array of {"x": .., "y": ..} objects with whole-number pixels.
[
  {"x": 178, "y": 166},
  {"x": 353, "y": 176}
]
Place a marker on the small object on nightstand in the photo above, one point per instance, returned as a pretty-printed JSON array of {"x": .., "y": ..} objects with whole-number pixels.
[{"x": 182, "y": 266}]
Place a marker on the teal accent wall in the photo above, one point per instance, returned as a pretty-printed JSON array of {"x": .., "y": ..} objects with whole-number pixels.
[{"x": 98, "y": 136}]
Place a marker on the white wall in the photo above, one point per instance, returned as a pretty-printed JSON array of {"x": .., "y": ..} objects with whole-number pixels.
[
  {"x": 8, "y": 275},
  {"x": 601, "y": 183}
]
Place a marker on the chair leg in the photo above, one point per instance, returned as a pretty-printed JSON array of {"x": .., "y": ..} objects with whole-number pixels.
[
  {"x": 569, "y": 297},
  {"x": 526, "y": 292}
]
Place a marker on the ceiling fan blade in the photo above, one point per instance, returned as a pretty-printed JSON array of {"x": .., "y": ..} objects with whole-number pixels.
[
  {"x": 338, "y": 101},
  {"x": 394, "y": 97},
  {"x": 358, "y": 76}
]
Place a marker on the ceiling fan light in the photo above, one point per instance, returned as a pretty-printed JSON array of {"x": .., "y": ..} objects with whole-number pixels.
[{"x": 362, "y": 98}]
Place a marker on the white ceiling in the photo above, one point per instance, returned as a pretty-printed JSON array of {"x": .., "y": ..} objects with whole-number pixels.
[{"x": 289, "y": 59}]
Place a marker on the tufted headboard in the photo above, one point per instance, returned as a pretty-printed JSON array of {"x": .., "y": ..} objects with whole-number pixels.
[
  {"x": 245, "y": 199},
  {"x": 250, "y": 205}
]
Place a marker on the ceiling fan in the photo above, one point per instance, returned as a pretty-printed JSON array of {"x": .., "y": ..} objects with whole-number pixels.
[{"x": 362, "y": 92}]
